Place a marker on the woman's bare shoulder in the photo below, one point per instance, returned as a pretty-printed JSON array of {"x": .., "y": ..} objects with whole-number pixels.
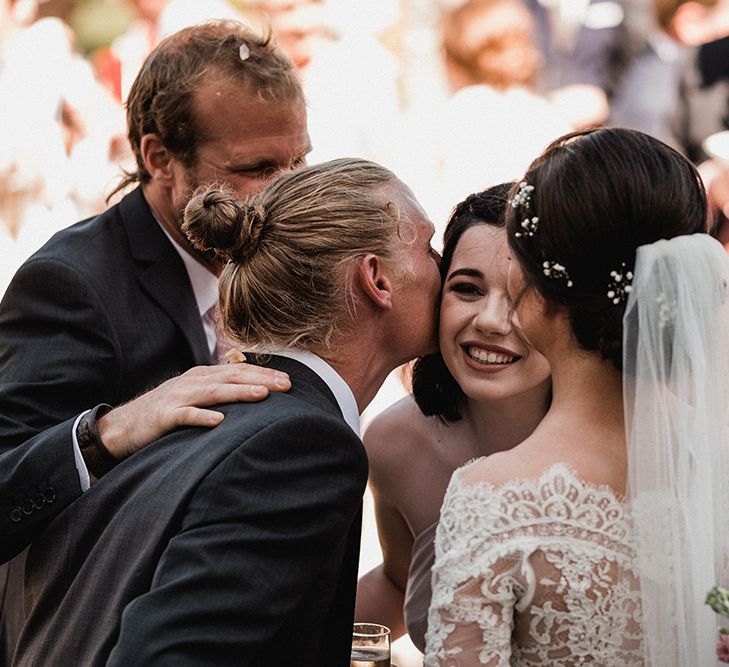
[
  {"x": 498, "y": 468},
  {"x": 543, "y": 450},
  {"x": 400, "y": 440},
  {"x": 527, "y": 460},
  {"x": 398, "y": 428}
]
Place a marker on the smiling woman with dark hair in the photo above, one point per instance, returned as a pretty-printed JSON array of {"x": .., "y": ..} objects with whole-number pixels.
[{"x": 485, "y": 391}]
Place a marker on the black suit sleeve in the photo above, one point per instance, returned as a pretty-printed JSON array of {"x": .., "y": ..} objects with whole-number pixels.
[
  {"x": 257, "y": 535},
  {"x": 57, "y": 349},
  {"x": 31, "y": 498}
]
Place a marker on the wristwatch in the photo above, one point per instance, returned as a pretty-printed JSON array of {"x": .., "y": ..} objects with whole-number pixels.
[{"x": 96, "y": 456}]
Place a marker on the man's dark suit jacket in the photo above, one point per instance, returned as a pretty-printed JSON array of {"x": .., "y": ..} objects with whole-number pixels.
[
  {"x": 232, "y": 546},
  {"x": 103, "y": 312}
]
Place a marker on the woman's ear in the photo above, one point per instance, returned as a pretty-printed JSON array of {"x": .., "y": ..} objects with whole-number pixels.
[
  {"x": 374, "y": 282},
  {"x": 156, "y": 157}
]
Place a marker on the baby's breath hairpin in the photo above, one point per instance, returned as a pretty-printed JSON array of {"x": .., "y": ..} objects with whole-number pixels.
[
  {"x": 619, "y": 287},
  {"x": 529, "y": 225},
  {"x": 523, "y": 198},
  {"x": 557, "y": 271}
]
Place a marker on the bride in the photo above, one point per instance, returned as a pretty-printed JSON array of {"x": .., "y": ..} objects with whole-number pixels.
[{"x": 595, "y": 540}]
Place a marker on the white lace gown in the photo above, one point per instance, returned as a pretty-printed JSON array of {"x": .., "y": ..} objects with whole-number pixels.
[{"x": 536, "y": 572}]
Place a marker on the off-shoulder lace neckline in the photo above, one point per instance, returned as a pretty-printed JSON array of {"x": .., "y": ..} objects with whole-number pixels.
[
  {"x": 549, "y": 472},
  {"x": 535, "y": 571}
]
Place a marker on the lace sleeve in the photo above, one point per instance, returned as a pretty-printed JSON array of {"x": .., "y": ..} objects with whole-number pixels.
[
  {"x": 477, "y": 581},
  {"x": 475, "y": 626},
  {"x": 534, "y": 572}
]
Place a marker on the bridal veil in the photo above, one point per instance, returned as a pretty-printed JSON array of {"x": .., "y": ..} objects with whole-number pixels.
[{"x": 676, "y": 393}]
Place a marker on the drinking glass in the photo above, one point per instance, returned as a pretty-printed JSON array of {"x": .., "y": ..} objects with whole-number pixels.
[{"x": 370, "y": 645}]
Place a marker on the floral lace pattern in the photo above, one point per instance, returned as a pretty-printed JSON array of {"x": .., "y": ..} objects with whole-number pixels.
[{"x": 535, "y": 572}]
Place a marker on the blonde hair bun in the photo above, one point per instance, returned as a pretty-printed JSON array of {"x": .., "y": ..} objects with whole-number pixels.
[{"x": 215, "y": 220}]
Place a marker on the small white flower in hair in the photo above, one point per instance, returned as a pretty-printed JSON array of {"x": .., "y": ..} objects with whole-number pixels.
[
  {"x": 244, "y": 52},
  {"x": 521, "y": 198},
  {"x": 529, "y": 225},
  {"x": 557, "y": 271},
  {"x": 667, "y": 310},
  {"x": 620, "y": 287}
]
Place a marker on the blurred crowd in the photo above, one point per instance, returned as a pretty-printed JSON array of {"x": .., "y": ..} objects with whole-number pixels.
[{"x": 453, "y": 96}]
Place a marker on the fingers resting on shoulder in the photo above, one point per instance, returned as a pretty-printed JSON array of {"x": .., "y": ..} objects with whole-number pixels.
[{"x": 184, "y": 401}]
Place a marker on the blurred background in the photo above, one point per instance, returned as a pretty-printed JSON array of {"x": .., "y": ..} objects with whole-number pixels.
[{"x": 453, "y": 95}]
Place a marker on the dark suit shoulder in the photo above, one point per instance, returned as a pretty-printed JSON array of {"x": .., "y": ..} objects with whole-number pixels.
[
  {"x": 713, "y": 61},
  {"x": 93, "y": 246},
  {"x": 267, "y": 502},
  {"x": 293, "y": 420}
]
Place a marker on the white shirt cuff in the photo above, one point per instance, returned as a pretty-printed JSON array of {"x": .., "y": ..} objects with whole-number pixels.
[{"x": 83, "y": 471}]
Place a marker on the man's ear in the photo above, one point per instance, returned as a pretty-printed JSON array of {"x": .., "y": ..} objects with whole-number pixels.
[
  {"x": 374, "y": 281},
  {"x": 156, "y": 157}
]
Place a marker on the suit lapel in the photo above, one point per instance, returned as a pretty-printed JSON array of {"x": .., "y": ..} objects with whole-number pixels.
[{"x": 162, "y": 273}]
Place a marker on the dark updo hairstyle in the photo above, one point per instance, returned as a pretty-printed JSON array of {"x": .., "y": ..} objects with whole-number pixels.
[
  {"x": 435, "y": 390},
  {"x": 599, "y": 195}
]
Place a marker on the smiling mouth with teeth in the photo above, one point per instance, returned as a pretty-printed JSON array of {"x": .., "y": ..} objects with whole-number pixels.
[{"x": 489, "y": 357}]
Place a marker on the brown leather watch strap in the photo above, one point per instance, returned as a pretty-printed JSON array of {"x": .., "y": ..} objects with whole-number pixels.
[{"x": 96, "y": 456}]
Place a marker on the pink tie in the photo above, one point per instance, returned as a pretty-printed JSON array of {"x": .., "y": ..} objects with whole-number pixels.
[{"x": 211, "y": 318}]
